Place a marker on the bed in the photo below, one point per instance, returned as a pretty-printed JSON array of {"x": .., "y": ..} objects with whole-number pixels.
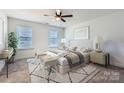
[{"x": 68, "y": 59}]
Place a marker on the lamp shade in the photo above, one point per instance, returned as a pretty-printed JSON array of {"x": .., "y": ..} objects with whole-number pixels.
[
  {"x": 63, "y": 40},
  {"x": 97, "y": 41}
]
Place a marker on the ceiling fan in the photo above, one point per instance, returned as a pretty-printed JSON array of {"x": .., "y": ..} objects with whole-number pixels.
[{"x": 58, "y": 16}]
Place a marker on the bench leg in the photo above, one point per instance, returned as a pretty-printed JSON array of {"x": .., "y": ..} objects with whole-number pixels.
[
  {"x": 6, "y": 64},
  {"x": 49, "y": 73}
]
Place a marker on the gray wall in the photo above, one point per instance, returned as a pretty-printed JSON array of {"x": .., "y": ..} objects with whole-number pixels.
[
  {"x": 40, "y": 36},
  {"x": 111, "y": 28}
]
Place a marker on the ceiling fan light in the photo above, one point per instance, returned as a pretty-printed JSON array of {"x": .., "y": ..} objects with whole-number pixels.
[
  {"x": 58, "y": 12},
  {"x": 57, "y": 18}
]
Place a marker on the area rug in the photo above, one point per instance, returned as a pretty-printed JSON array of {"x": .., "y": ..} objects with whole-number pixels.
[{"x": 79, "y": 74}]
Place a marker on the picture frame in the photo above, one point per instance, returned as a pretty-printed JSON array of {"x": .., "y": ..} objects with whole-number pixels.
[{"x": 81, "y": 33}]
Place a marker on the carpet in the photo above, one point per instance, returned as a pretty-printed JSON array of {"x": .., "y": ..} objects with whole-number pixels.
[
  {"x": 79, "y": 74},
  {"x": 23, "y": 71},
  {"x": 18, "y": 73}
]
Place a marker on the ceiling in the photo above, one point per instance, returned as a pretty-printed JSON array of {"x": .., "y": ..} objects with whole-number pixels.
[{"x": 37, "y": 15}]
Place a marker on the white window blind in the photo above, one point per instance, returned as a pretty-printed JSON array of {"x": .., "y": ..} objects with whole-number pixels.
[
  {"x": 53, "y": 38},
  {"x": 24, "y": 35}
]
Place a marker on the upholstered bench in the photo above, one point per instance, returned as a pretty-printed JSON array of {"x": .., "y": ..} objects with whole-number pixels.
[{"x": 48, "y": 61}]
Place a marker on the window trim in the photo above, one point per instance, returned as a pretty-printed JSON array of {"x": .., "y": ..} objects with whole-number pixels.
[{"x": 25, "y": 48}]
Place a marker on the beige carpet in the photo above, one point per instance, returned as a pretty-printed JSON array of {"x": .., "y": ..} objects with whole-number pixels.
[
  {"x": 91, "y": 73},
  {"x": 18, "y": 73}
]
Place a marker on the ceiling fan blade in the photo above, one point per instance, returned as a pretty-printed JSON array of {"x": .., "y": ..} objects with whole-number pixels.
[
  {"x": 67, "y": 16},
  {"x": 60, "y": 13},
  {"x": 57, "y": 15},
  {"x": 63, "y": 20},
  {"x": 46, "y": 15}
]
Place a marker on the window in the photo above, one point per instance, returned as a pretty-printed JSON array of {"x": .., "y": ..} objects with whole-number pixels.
[
  {"x": 53, "y": 38},
  {"x": 24, "y": 35}
]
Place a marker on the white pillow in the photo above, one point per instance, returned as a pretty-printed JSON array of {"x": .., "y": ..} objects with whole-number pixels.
[
  {"x": 85, "y": 50},
  {"x": 73, "y": 48}
]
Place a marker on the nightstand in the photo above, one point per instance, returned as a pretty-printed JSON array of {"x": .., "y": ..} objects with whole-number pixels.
[{"x": 100, "y": 58}]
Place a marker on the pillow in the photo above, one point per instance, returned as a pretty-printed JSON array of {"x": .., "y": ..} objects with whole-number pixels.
[
  {"x": 62, "y": 47},
  {"x": 85, "y": 50},
  {"x": 73, "y": 49},
  {"x": 61, "y": 54},
  {"x": 82, "y": 50}
]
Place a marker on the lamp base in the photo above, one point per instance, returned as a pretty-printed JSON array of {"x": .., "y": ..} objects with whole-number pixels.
[{"x": 98, "y": 50}]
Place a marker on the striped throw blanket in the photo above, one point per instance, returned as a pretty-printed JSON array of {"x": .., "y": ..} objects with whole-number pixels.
[{"x": 74, "y": 58}]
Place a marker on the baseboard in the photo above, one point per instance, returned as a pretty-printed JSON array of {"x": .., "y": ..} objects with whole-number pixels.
[{"x": 19, "y": 59}]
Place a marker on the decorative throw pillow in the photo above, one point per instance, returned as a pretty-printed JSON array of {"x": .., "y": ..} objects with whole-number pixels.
[
  {"x": 85, "y": 50},
  {"x": 73, "y": 48}
]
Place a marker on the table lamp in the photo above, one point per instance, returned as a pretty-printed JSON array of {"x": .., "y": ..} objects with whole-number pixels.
[{"x": 98, "y": 40}]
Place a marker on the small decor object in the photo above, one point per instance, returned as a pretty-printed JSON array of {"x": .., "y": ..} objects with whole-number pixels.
[
  {"x": 82, "y": 33},
  {"x": 12, "y": 41}
]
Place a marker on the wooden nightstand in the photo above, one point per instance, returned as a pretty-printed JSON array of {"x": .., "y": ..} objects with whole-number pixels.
[{"x": 100, "y": 58}]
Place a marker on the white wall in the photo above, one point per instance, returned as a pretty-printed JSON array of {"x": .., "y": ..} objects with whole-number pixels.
[
  {"x": 40, "y": 36},
  {"x": 111, "y": 28},
  {"x": 3, "y": 37}
]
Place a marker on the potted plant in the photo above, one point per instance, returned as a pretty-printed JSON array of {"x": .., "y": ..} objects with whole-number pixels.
[{"x": 12, "y": 43}]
